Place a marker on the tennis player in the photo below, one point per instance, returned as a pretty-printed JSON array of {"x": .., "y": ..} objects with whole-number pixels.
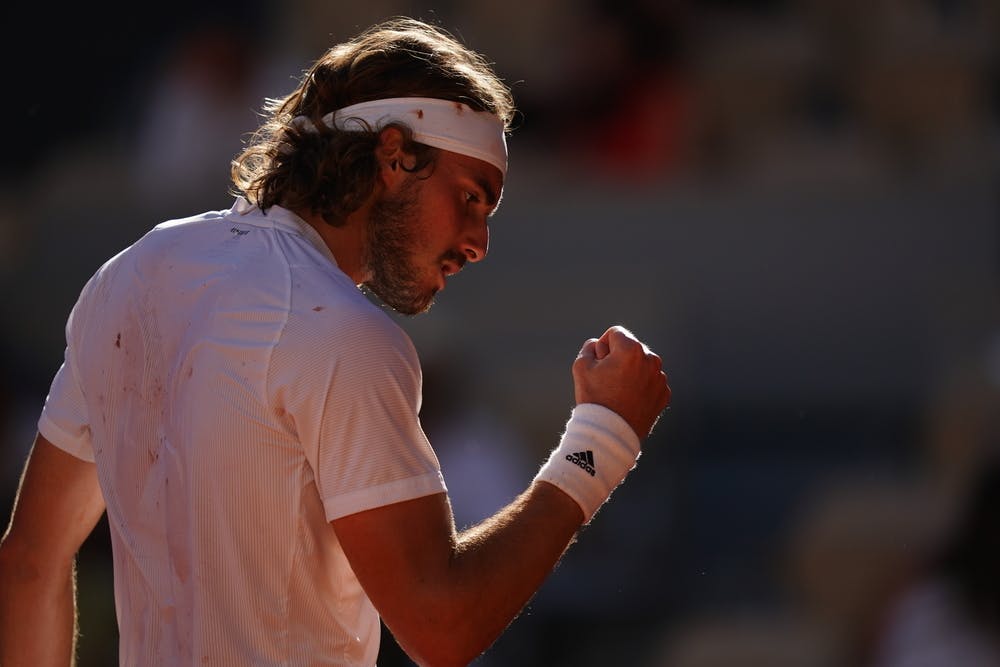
[{"x": 248, "y": 417}]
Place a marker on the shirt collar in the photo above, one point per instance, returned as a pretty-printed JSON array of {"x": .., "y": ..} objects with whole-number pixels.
[{"x": 283, "y": 218}]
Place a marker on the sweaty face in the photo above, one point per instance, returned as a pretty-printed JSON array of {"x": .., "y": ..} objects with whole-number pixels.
[
  {"x": 424, "y": 229},
  {"x": 393, "y": 241}
]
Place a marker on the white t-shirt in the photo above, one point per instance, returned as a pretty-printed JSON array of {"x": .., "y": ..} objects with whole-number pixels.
[{"x": 237, "y": 393}]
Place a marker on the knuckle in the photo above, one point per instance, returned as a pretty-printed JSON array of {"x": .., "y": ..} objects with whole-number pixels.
[
  {"x": 625, "y": 340},
  {"x": 620, "y": 332}
]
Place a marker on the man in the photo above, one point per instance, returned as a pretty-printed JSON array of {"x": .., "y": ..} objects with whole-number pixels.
[{"x": 249, "y": 419}]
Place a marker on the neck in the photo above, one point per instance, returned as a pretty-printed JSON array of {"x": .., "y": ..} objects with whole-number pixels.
[{"x": 347, "y": 242}]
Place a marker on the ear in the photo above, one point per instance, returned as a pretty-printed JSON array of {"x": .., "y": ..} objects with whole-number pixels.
[{"x": 392, "y": 157}]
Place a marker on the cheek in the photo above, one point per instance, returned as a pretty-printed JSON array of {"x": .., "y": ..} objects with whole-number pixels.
[{"x": 443, "y": 224}]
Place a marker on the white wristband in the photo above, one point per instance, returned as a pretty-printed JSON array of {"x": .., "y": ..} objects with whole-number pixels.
[{"x": 597, "y": 449}]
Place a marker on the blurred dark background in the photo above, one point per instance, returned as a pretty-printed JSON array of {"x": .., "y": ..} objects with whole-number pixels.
[{"x": 794, "y": 202}]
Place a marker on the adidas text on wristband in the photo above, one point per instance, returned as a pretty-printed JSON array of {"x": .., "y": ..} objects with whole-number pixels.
[{"x": 598, "y": 448}]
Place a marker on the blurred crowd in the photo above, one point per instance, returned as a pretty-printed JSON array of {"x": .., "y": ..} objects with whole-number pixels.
[{"x": 794, "y": 201}]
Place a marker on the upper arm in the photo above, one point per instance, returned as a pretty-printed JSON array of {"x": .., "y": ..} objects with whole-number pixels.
[
  {"x": 58, "y": 503},
  {"x": 400, "y": 554},
  {"x": 447, "y": 597},
  {"x": 393, "y": 547}
]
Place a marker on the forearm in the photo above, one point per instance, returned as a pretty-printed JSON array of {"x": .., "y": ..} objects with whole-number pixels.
[
  {"x": 465, "y": 589},
  {"x": 506, "y": 558},
  {"x": 494, "y": 570},
  {"x": 37, "y": 612}
]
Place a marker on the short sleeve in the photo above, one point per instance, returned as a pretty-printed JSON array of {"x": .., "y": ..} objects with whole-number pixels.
[
  {"x": 64, "y": 421},
  {"x": 355, "y": 401}
]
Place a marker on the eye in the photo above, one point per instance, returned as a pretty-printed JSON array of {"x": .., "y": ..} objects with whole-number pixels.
[{"x": 471, "y": 197}]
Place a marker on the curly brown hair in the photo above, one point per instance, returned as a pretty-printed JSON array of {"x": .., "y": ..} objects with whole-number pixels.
[{"x": 332, "y": 172}]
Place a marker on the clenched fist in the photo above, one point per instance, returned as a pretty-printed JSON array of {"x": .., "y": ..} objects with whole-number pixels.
[{"x": 619, "y": 372}]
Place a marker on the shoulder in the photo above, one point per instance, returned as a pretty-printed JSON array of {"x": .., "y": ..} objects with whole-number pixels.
[
  {"x": 343, "y": 353},
  {"x": 342, "y": 325},
  {"x": 364, "y": 327}
]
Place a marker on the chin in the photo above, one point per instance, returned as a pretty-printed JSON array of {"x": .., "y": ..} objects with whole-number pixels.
[
  {"x": 409, "y": 305},
  {"x": 424, "y": 305}
]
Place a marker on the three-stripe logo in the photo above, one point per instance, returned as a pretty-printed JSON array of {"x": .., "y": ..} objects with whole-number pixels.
[{"x": 583, "y": 459}]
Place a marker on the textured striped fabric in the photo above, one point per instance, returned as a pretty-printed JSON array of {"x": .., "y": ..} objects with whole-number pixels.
[{"x": 237, "y": 392}]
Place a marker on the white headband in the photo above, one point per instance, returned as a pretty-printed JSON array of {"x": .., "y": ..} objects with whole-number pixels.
[{"x": 452, "y": 126}]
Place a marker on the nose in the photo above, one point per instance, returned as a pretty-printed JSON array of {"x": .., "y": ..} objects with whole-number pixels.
[{"x": 477, "y": 241}]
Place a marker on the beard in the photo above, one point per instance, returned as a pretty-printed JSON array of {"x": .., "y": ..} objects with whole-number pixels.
[{"x": 392, "y": 237}]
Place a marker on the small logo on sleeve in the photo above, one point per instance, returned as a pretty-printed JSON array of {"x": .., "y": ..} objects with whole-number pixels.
[{"x": 583, "y": 459}]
